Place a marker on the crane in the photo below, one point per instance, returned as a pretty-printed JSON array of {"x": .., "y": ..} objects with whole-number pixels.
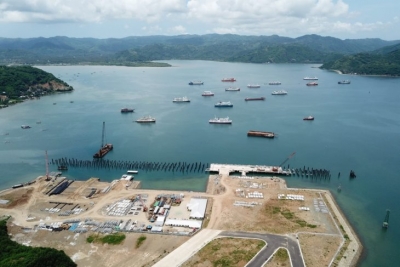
[
  {"x": 291, "y": 155},
  {"x": 139, "y": 197}
]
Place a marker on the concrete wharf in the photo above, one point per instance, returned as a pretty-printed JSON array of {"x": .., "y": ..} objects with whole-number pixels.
[{"x": 244, "y": 169}]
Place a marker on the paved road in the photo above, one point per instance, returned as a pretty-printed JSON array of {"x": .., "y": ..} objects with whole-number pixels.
[{"x": 274, "y": 242}]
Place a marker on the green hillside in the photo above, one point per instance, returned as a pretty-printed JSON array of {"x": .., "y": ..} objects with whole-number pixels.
[
  {"x": 19, "y": 82},
  {"x": 13, "y": 254}
]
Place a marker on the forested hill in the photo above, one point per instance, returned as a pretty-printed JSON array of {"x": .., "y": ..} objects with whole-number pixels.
[
  {"x": 385, "y": 61},
  {"x": 142, "y": 49},
  {"x": 20, "y": 82}
]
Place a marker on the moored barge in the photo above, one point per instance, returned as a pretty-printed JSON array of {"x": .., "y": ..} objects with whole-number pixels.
[
  {"x": 261, "y": 134},
  {"x": 254, "y": 98}
]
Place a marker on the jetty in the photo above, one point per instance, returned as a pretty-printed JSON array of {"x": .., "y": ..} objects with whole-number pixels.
[{"x": 244, "y": 169}]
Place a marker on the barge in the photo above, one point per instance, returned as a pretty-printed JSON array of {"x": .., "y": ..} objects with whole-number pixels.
[
  {"x": 261, "y": 134},
  {"x": 105, "y": 148},
  {"x": 254, "y": 98}
]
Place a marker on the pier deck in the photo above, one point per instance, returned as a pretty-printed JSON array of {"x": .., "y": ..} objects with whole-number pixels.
[{"x": 230, "y": 168}]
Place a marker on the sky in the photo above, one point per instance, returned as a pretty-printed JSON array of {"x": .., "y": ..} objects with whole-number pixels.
[{"x": 344, "y": 19}]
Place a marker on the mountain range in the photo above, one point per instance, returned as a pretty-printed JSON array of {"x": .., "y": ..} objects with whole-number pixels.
[{"x": 227, "y": 47}]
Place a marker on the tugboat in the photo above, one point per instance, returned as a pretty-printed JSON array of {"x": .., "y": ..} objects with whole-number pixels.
[
  {"x": 105, "y": 148},
  {"x": 25, "y": 126},
  {"x": 126, "y": 110}
]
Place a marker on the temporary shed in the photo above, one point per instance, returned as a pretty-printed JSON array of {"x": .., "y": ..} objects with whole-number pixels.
[
  {"x": 157, "y": 229},
  {"x": 197, "y": 208},
  {"x": 160, "y": 221},
  {"x": 183, "y": 223}
]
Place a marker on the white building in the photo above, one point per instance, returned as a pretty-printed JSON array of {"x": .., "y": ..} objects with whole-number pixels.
[{"x": 197, "y": 208}]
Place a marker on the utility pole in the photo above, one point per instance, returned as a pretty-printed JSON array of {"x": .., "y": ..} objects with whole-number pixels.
[{"x": 47, "y": 166}]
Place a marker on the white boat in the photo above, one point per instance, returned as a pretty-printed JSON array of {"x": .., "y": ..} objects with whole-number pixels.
[
  {"x": 196, "y": 83},
  {"x": 280, "y": 92},
  {"x": 181, "y": 99},
  {"x": 25, "y": 126},
  {"x": 253, "y": 86},
  {"x": 344, "y": 82},
  {"x": 146, "y": 119},
  {"x": 127, "y": 177},
  {"x": 274, "y": 83},
  {"x": 226, "y": 104},
  {"x": 132, "y": 172},
  {"x": 310, "y": 78},
  {"x": 207, "y": 93},
  {"x": 220, "y": 121},
  {"x": 232, "y": 89}
]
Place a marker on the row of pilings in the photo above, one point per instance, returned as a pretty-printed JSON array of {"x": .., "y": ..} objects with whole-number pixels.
[
  {"x": 132, "y": 165},
  {"x": 307, "y": 172}
]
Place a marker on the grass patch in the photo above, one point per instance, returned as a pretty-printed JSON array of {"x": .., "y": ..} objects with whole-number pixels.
[
  {"x": 140, "y": 241},
  {"x": 224, "y": 252},
  {"x": 112, "y": 239},
  {"x": 287, "y": 214},
  {"x": 282, "y": 255},
  {"x": 276, "y": 210}
]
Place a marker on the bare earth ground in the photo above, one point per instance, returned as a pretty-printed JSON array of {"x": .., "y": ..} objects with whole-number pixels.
[{"x": 270, "y": 215}]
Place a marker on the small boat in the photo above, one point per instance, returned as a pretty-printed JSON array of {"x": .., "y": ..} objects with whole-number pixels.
[
  {"x": 221, "y": 104},
  {"x": 310, "y": 78},
  {"x": 62, "y": 168},
  {"x": 344, "y": 82},
  {"x": 38, "y": 122},
  {"x": 312, "y": 84},
  {"x": 207, "y": 93},
  {"x": 253, "y": 86},
  {"x": 220, "y": 121},
  {"x": 274, "y": 83},
  {"x": 126, "y": 110},
  {"x": 25, "y": 126},
  {"x": 309, "y": 118},
  {"x": 71, "y": 101},
  {"x": 280, "y": 92},
  {"x": 196, "y": 83},
  {"x": 228, "y": 80},
  {"x": 352, "y": 174},
  {"x": 132, "y": 172},
  {"x": 181, "y": 99},
  {"x": 146, "y": 119},
  {"x": 261, "y": 134},
  {"x": 254, "y": 98},
  {"x": 54, "y": 103},
  {"x": 233, "y": 89}
]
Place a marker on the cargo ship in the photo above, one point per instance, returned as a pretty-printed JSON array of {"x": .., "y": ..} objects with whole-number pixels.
[
  {"x": 105, "y": 148},
  {"x": 253, "y": 86},
  {"x": 228, "y": 80},
  {"x": 254, "y": 98},
  {"x": 126, "y": 110},
  {"x": 233, "y": 89},
  {"x": 221, "y": 104},
  {"x": 280, "y": 92},
  {"x": 274, "y": 83},
  {"x": 196, "y": 83},
  {"x": 181, "y": 100},
  {"x": 220, "y": 121},
  {"x": 207, "y": 93},
  {"x": 309, "y": 118},
  {"x": 312, "y": 84},
  {"x": 146, "y": 119},
  {"x": 261, "y": 134},
  {"x": 310, "y": 78},
  {"x": 344, "y": 82}
]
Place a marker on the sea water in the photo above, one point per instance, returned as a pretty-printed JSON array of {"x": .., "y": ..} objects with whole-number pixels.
[{"x": 356, "y": 127}]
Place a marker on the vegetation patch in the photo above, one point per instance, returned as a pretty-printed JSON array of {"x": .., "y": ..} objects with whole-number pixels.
[
  {"x": 13, "y": 254},
  {"x": 226, "y": 252},
  {"x": 112, "y": 239},
  {"x": 140, "y": 241}
]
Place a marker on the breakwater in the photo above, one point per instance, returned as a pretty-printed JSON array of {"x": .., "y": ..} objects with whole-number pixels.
[{"x": 184, "y": 167}]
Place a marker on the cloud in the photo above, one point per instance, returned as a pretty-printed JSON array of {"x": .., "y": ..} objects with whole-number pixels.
[{"x": 178, "y": 30}]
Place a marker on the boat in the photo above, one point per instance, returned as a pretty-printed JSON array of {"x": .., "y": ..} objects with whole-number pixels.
[
  {"x": 146, "y": 119},
  {"x": 312, "y": 84},
  {"x": 181, "y": 99},
  {"x": 280, "y": 92},
  {"x": 221, "y": 104},
  {"x": 207, "y": 93},
  {"x": 274, "y": 83},
  {"x": 352, "y": 174},
  {"x": 127, "y": 177},
  {"x": 310, "y": 78},
  {"x": 220, "y": 121},
  {"x": 254, "y": 98},
  {"x": 196, "y": 83},
  {"x": 105, "y": 148},
  {"x": 25, "y": 126},
  {"x": 71, "y": 101},
  {"x": 62, "y": 168},
  {"x": 132, "y": 171},
  {"x": 232, "y": 89},
  {"x": 126, "y": 110},
  {"x": 309, "y": 118},
  {"x": 253, "y": 86},
  {"x": 17, "y": 186},
  {"x": 261, "y": 134},
  {"x": 344, "y": 82},
  {"x": 228, "y": 80}
]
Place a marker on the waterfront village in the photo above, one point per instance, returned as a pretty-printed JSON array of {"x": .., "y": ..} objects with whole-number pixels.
[{"x": 54, "y": 211}]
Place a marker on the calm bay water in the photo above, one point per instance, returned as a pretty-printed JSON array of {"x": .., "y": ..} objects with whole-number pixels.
[{"x": 356, "y": 127}]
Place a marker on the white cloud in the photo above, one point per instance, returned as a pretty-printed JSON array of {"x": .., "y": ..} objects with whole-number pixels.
[{"x": 178, "y": 30}]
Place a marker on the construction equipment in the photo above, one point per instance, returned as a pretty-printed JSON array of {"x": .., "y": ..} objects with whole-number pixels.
[
  {"x": 291, "y": 155},
  {"x": 139, "y": 197}
]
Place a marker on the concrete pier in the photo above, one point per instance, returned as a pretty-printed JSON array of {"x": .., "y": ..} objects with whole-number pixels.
[{"x": 244, "y": 169}]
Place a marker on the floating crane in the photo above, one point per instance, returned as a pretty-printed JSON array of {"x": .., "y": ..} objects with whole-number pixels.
[
  {"x": 386, "y": 221},
  {"x": 291, "y": 155}
]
